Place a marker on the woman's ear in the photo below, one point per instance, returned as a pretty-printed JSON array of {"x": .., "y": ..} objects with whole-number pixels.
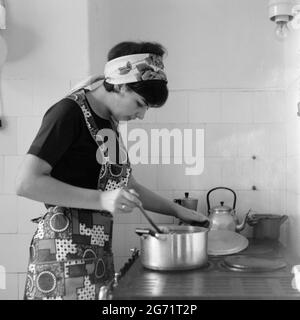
[
  {"x": 120, "y": 88},
  {"x": 116, "y": 88}
]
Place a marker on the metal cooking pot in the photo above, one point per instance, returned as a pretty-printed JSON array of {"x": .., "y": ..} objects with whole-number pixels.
[
  {"x": 187, "y": 202},
  {"x": 178, "y": 248},
  {"x": 266, "y": 226}
]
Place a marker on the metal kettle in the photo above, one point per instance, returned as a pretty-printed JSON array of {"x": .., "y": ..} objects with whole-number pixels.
[{"x": 224, "y": 217}]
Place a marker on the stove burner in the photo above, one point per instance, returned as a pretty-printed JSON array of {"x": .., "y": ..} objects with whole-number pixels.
[
  {"x": 258, "y": 249},
  {"x": 222, "y": 265}
]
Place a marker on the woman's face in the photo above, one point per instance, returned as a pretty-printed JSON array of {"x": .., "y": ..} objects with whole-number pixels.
[{"x": 128, "y": 105}]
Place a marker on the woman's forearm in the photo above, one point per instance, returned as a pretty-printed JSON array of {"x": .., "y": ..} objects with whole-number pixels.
[
  {"x": 154, "y": 202},
  {"x": 47, "y": 189}
]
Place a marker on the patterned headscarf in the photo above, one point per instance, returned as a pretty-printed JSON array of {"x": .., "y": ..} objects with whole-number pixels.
[{"x": 134, "y": 68}]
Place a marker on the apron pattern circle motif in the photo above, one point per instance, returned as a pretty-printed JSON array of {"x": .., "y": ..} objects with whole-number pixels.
[
  {"x": 59, "y": 222},
  {"x": 46, "y": 281}
]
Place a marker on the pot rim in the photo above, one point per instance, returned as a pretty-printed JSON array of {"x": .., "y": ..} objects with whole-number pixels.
[
  {"x": 189, "y": 229},
  {"x": 271, "y": 216}
]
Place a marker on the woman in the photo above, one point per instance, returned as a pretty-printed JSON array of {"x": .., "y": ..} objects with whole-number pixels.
[{"x": 70, "y": 167}]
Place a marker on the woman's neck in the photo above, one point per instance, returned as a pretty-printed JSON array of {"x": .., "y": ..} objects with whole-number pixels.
[{"x": 98, "y": 102}]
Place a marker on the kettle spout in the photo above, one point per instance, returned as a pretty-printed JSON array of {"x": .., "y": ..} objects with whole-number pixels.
[{"x": 242, "y": 225}]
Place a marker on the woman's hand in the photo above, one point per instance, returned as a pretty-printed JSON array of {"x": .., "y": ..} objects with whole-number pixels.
[
  {"x": 120, "y": 200},
  {"x": 191, "y": 217}
]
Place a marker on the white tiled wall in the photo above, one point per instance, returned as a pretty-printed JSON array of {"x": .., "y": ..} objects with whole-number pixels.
[
  {"x": 205, "y": 106},
  {"x": 8, "y": 214},
  {"x": 243, "y": 148},
  {"x": 26, "y": 210},
  {"x": 237, "y": 107},
  {"x": 11, "y": 292},
  {"x": 17, "y": 97},
  {"x": 11, "y": 166},
  {"x": 8, "y": 137},
  {"x": 174, "y": 110},
  {"x": 229, "y": 145},
  {"x": 14, "y": 251},
  {"x": 292, "y": 74},
  {"x": 221, "y": 140},
  {"x": 27, "y": 129},
  {"x": 293, "y": 167},
  {"x": 38, "y": 71},
  {"x": 43, "y": 97},
  {"x": 267, "y": 107},
  {"x": 1, "y": 174}
]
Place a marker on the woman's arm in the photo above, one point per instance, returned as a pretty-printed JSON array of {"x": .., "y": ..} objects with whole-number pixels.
[
  {"x": 34, "y": 182},
  {"x": 154, "y": 202}
]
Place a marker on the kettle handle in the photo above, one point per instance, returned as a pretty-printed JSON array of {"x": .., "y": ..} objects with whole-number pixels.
[{"x": 207, "y": 197}]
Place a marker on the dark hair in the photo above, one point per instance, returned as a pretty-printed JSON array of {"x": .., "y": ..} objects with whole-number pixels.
[{"x": 155, "y": 92}]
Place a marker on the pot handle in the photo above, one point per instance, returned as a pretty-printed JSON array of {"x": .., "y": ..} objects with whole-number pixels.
[
  {"x": 178, "y": 201},
  {"x": 141, "y": 232},
  {"x": 207, "y": 197},
  {"x": 283, "y": 218},
  {"x": 252, "y": 221}
]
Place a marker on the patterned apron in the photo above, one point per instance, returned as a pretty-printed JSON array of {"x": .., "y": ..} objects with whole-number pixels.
[{"x": 70, "y": 255}]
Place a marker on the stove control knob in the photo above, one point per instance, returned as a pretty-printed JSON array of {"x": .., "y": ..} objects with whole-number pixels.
[
  {"x": 104, "y": 293},
  {"x": 116, "y": 279}
]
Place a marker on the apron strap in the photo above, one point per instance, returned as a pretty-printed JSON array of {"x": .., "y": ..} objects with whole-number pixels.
[{"x": 80, "y": 99}]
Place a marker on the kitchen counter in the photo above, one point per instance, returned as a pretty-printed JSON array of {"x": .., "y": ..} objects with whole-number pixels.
[{"x": 213, "y": 281}]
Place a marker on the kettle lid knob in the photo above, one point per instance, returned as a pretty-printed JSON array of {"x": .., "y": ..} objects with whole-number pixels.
[
  {"x": 222, "y": 203},
  {"x": 186, "y": 194}
]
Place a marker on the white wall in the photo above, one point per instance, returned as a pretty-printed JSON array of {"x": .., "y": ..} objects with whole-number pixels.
[
  {"x": 47, "y": 44},
  {"x": 293, "y": 167},
  {"x": 292, "y": 60},
  {"x": 211, "y": 44},
  {"x": 226, "y": 75}
]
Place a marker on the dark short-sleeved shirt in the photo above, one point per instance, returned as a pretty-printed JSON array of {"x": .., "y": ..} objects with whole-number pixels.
[{"x": 65, "y": 142}]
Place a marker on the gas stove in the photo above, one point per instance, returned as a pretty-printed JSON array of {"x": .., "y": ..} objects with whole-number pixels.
[{"x": 216, "y": 280}]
